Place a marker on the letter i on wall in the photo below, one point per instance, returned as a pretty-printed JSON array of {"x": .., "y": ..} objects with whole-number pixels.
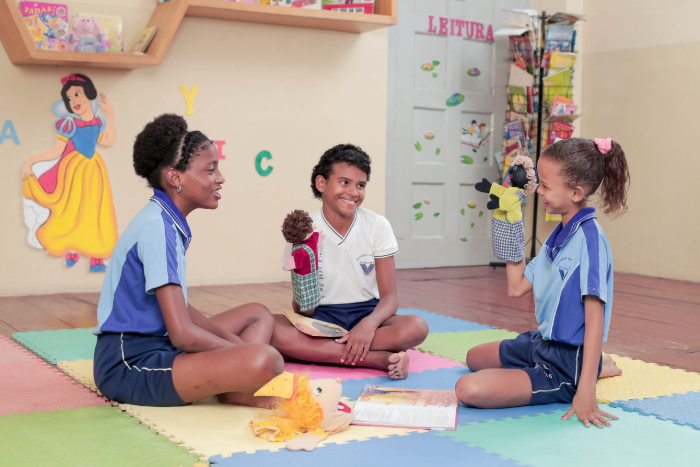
[{"x": 189, "y": 97}]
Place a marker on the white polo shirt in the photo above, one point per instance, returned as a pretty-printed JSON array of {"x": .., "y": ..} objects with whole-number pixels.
[{"x": 346, "y": 264}]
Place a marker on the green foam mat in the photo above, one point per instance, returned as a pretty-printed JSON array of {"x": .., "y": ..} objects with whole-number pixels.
[
  {"x": 546, "y": 440},
  {"x": 63, "y": 344},
  {"x": 455, "y": 345},
  {"x": 100, "y": 436}
]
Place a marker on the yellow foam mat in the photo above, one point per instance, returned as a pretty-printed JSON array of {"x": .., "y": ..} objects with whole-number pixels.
[
  {"x": 210, "y": 428},
  {"x": 81, "y": 371},
  {"x": 642, "y": 379}
]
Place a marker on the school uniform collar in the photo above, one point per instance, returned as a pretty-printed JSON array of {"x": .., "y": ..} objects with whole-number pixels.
[
  {"x": 164, "y": 201},
  {"x": 342, "y": 239},
  {"x": 561, "y": 234}
]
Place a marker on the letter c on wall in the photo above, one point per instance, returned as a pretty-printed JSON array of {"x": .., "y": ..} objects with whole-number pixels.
[{"x": 258, "y": 163}]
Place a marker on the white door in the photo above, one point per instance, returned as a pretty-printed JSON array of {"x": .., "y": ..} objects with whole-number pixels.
[{"x": 447, "y": 102}]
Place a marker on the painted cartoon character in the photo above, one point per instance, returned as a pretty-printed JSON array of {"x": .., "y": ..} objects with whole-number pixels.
[
  {"x": 298, "y": 229},
  {"x": 508, "y": 230},
  {"x": 86, "y": 27},
  {"x": 68, "y": 204},
  {"x": 309, "y": 412}
]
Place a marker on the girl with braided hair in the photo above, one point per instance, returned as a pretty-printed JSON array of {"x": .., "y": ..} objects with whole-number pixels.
[{"x": 153, "y": 348}]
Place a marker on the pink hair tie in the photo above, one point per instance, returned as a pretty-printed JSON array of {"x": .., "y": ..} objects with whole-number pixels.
[
  {"x": 71, "y": 77},
  {"x": 604, "y": 145}
]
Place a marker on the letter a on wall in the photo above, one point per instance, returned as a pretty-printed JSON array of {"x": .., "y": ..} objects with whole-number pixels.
[{"x": 8, "y": 132}]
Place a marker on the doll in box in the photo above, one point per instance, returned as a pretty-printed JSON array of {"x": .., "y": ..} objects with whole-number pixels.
[
  {"x": 508, "y": 231},
  {"x": 298, "y": 229}
]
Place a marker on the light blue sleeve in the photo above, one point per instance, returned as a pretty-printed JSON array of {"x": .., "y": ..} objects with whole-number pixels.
[
  {"x": 157, "y": 249},
  {"x": 530, "y": 270},
  {"x": 595, "y": 265}
]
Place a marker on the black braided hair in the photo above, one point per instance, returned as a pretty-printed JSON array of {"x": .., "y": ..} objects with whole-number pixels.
[{"x": 160, "y": 143}]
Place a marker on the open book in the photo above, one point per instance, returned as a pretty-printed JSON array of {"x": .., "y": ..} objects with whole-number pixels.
[
  {"x": 425, "y": 409},
  {"x": 314, "y": 327}
]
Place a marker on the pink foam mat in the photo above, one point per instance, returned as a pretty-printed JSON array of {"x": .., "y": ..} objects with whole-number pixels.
[
  {"x": 418, "y": 363},
  {"x": 12, "y": 354},
  {"x": 35, "y": 385}
]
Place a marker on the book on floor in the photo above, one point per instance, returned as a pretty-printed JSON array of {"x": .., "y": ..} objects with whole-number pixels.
[
  {"x": 425, "y": 409},
  {"x": 314, "y": 327}
]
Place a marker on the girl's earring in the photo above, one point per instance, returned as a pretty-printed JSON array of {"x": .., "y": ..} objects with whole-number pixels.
[{"x": 179, "y": 188}]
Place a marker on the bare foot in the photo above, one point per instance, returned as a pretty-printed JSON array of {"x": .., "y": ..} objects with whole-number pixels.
[
  {"x": 398, "y": 365},
  {"x": 248, "y": 399},
  {"x": 609, "y": 367}
]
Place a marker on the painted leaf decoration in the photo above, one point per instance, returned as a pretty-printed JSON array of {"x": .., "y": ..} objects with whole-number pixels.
[
  {"x": 474, "y": 150},
  {"x": 436, "y": 214},
  {"x": 417, "y": 205},
  {"x": 486, "y": 159},
  {"x": 435, "y": 62},
  {"x": 419, "y": 215},
  {"x": 435, "y": 75},
  {"x": 467, "y": 160},
  {"x": 418, "y": 146},
  {"x": 464, "y": 239},
  {"x": 437, "y": 152},
  {"x": 481, "y": 213},
  {"x": 463, "y": 211},
  {"x": 472, "y": 225}
]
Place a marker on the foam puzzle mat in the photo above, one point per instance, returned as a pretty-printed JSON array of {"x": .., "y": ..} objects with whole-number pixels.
[
  {"x": 659, "y": 410},
  {"x": 103, "y": 436},
  {"x": 62, "y": 344}
]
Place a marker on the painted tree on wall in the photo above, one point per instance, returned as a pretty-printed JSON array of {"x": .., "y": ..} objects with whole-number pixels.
[{"x": 68, "y": 206}]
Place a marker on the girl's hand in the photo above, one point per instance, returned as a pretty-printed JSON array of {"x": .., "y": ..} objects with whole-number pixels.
[
  {"x": 105, "y": 103},
  {"x": 27, "y": 170},
  {"x": 586, "y": 409},
  {"x": 357, "y": 342}
]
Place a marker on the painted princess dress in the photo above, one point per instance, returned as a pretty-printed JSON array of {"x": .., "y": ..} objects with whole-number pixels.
[{"x": 77, "y": 194}]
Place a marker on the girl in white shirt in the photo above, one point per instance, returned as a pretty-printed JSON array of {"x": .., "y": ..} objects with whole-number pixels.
[{"x": 357, "y": 276}]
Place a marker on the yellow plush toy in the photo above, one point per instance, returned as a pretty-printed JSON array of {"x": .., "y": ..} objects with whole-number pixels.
[
  {"x": 508, "y": 230},
  {"x": 310, "y": 411}
]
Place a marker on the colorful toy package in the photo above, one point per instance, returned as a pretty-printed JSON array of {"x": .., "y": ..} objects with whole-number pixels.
[
  {"x": 47, "y": 22},
  {"x": 112, "y": 29}
]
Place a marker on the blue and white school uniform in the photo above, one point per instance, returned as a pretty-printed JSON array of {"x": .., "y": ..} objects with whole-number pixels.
[
  {"x": 575, "y": 261},
  {"x": 346, "y": 267},
  {"x": 134, "y": 355}
]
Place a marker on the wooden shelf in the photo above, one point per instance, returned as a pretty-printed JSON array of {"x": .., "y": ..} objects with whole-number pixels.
[
  {"x": 563, "y": 118},
  {"x": 167, "y": 16}
]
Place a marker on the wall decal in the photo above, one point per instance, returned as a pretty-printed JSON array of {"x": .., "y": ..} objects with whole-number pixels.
[
  {"x": 436, "y": 214},
  {"x": 437, "y": 151},
  {"x": 8, "y": 132},
  {"x": 467, "y": 160},
  {"x": 471, "y": 204},
  {"x": 68, "y": 206},
  {"x": 464, "y": 239},
  {"x": 472, "y": 30},
  {"x": 476, "y": 135},
  {"x": 426, "y": 200},
  {"x": 417, "y": 205},
  {"x": 189, "y": 97},
  {"x": 258, "y": 163},
  {"x": 474, "y": 72},
  {"x": 481, "y": 213},
  {"x": 429, "y": 135},
  {"x": 455, "y": 99},
  {"x": 419, "y": 215},
  {"x": 418, "y": 146},
  {"x": 220, "y": 149}
]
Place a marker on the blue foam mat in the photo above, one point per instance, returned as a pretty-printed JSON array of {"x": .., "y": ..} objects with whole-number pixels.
[
  {"x": 417, "y": 449},
  {"x": 445, "y": 378},
  {"x": 440, "y": 323},
  {"x": 682, "y": 409}
]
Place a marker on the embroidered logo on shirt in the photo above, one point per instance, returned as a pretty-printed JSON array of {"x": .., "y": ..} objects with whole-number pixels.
[
  {"x": 367, "y": 264},
  {"x": 564, "y": 264}
]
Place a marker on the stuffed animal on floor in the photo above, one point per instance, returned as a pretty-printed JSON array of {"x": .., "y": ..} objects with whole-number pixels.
[
  {"x": 298, "y": 229},
  {"x": 310, "y": 411},
  {"x": 508, "y": 231}
]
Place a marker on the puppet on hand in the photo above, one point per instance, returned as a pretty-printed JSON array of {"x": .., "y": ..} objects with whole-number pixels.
[
  {"x": 298, "y": 229},
  {"x": 310, "y": 411},
  {"x": 508, "y": 231}
]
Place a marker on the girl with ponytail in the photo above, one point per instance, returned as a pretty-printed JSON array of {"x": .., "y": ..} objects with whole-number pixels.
[{"x": 572, "y": 280}]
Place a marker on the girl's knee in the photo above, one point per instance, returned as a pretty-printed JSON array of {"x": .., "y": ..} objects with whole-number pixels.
[
  {"x": 467, "y": 391},
  {"x": 415, "y": 330},
  {"x": 267, "y": 362}
]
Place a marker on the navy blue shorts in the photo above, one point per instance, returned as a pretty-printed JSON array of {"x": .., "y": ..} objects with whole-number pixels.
[
  {"x": 553, "y": 367},
  {"x": 136, "y": 369},
  {"x": 346, "y": 315}
]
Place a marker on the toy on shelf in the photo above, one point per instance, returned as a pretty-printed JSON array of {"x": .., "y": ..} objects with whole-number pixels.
[
  {"x": 86, "y": 27},
  {"x": 309, "y": 412},
  {"x": 508, "y": 231},
  {"x": 298, "y": 229}
]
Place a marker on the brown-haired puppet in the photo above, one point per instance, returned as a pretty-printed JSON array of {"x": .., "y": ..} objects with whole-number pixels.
[{"x": 298, "y": 229}]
